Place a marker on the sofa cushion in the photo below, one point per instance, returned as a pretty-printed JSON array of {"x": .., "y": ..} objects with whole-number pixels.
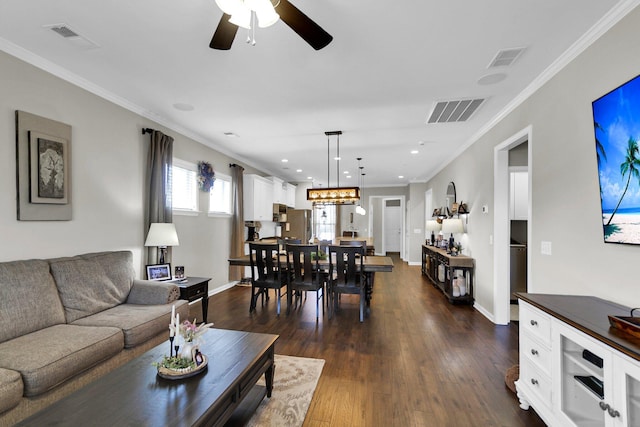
[
  {"x": 29, "y": 298},
  {"x": 138, "y": 322},
  {"x": 85, "y": 287},
  {"x": 10, "y": 389},
  {"x": 50, "y": 356},
  {"x": 119, "y": 267}
]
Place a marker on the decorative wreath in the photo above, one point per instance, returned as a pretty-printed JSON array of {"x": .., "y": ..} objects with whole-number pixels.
[{"x": 206, "y": 176}]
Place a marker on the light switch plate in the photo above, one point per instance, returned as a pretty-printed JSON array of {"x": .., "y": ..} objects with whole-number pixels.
[{"x": 545, "y": 248}]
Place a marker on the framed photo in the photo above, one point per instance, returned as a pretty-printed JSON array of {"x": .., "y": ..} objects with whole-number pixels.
[
  {"x": 48, "y": 169},
  {"x": 179, "y": 272},
  {"x": 159, "y": 272}
]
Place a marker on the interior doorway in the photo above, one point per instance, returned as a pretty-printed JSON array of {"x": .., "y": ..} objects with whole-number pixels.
[
  {"x": 392, "y": 225},
  {"x": 502, "y": 224},
  {"x": 380, "y": 219}
]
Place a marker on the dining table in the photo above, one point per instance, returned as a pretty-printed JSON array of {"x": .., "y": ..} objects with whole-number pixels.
[{"x": 371, "y": 264}]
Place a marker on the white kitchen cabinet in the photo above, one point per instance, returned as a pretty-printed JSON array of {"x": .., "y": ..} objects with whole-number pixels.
[
  {"x": 291, "y": 195},
  {"x": 279, "y": 190},
  {"x": 573, "y": 371},
  {"x": 258, "y": 198},
  {"x": 519, "y": 195}
]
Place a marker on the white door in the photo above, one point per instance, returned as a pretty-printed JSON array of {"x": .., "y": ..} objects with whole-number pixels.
[{"x": 392, "y": 226}]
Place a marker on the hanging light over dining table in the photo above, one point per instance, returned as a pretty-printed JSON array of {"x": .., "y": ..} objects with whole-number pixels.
[{"x": 333, "y": 195}]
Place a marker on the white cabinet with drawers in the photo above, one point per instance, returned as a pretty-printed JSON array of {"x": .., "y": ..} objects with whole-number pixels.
[{"x": 573, "y": 370}]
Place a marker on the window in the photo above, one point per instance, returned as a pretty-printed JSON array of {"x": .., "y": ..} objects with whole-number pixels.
[
  {"x": 220, "y": 195},
  {"x": 184, "y": 187},
  {"x": 325, "y": 221}
]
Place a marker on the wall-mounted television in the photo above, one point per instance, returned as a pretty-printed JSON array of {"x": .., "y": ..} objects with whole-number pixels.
[{"x": 616, "y": 121}]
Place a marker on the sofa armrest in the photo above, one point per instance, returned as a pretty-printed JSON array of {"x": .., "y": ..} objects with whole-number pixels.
[{"x": 149, "y": 292}]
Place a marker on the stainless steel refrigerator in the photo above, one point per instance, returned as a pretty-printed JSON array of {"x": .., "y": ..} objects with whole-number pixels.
[{"x": 298, "y": 225}]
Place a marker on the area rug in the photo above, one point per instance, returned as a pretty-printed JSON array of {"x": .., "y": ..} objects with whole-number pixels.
[{"x": 294, "y": 382}]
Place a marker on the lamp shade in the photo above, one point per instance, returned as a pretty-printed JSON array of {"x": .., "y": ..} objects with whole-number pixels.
[
  {"x": 162, "y": 234},
  {"x": 452, "y": 225},
  {"x": 433, "y": 225}
]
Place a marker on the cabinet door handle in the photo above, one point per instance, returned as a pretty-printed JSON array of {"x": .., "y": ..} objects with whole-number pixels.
[
  {"x": 534, "y": 381},
  {"x": 533, "y": 323},
  {"x": 534, "y": 351}
]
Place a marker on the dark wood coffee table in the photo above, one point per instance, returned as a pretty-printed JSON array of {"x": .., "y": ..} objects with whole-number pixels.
[{"x": 133, "y": 395}]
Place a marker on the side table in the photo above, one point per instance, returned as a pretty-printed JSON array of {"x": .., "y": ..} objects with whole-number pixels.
[{"x": 195, "y": 288}]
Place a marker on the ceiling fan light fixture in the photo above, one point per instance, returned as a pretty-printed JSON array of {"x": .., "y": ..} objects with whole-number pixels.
[
  {"x": 241, "y": 17},
  {"x": 267, "y": 17},
  {"x": 229, "y": 6}
]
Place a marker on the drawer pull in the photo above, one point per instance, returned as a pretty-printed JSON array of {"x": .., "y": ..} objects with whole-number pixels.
[
  {"x": 534, "y": 351},
  {"x": 604, "y": 406},
  {"x": 613, "y": 413},
  {"x": 533, "y": 322},
  {"x": 534, "y": 381}
]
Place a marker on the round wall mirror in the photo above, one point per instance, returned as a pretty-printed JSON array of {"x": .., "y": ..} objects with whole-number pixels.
[{"x": 451, "y": 195}]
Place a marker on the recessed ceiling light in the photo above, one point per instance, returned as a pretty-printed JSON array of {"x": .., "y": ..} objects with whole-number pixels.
[
  {"x": 298, "y": 170},
  {"x": 345, "y": 172},
  {"x": 414, "y": 151},
  {"x": 231, "y": 135},
  {"x": 348, "y": 176},
  {"x": 491, "y": 79},
  {"x": 309, "y": 177},
  {"x": 284, "y": 160},
  {"x": 400, "y": 176},
  {"x": 183, "y": 107},
  {"x": 337, "y": 158}
]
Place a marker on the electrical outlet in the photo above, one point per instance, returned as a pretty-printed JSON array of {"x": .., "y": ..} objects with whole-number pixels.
[
  {"x": 485, "y": 209},
  {"x": 545, "y": 248}
]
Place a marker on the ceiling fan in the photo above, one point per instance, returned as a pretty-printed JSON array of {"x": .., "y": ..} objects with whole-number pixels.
[{"x": 231, "y": 19}]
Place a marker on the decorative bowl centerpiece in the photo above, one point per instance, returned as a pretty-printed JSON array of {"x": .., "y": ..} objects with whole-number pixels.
[
  {"x": 188, "y": 361},
  {"x": 176, "y": 367}
]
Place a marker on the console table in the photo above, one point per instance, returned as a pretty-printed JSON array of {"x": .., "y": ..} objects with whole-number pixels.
[{"x": 435, "y": 259}]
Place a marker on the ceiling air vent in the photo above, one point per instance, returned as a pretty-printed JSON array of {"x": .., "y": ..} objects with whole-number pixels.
[
  {"x": 506, "y": 57},
  {"x": 64, "y": 31},
  {"x": 72, "y": 36},
  {"x": 454, "y": 111}
]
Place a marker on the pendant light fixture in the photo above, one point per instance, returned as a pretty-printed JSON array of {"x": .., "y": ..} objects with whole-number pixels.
[
  {"x": 359, "y": 209},
  {"x": 333, "y": 195}
]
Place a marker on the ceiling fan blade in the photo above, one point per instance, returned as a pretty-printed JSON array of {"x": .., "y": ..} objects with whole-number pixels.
[
  {"x": 311, "y": 32},
  {"x": 224, "y": 34}
]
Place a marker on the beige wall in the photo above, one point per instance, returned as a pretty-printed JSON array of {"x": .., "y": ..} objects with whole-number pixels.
[
  {"x": 565, "y": 192},
  {"x": 109, "y": 157}
]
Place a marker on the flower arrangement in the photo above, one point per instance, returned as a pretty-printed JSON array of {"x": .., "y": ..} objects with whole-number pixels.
[
  {"x": 192, "y": 332},
  {"x": 206, "y": 176}
]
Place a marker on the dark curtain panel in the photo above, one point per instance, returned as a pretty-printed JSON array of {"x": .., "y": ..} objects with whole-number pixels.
[
  {"x": 237, "y": 221},
  {"x": 158, "y": 206}
]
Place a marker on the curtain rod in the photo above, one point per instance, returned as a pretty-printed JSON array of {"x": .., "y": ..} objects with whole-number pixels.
[{"x": 147, "y": 130}]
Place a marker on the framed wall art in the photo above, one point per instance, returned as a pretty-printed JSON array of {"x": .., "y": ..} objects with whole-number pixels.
[{"x": 43, "y": 148}]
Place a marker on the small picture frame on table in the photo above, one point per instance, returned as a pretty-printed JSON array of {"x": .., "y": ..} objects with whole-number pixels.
[
  {"x": 159, "y": 272},
  {"x": 179, "y": 274}
]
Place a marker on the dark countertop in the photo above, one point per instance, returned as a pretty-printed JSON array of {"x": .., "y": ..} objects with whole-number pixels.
[{"x": 590, "y": 315}]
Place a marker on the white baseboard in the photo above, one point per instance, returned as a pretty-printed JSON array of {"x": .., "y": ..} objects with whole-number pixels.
[{"x": 223, "y": 287}]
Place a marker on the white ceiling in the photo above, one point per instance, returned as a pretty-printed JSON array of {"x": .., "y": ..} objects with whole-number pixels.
[{"x": 377, "y": 81}]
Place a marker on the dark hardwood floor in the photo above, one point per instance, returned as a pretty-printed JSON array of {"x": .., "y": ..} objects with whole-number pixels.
[{"x": 415, "y": 361}]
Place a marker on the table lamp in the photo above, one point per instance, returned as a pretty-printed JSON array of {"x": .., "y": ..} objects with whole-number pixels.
[
  {"x": 452, "y": 225},
  {"x": 433, "y": 226},
  {"x": 162, "y": 234}
]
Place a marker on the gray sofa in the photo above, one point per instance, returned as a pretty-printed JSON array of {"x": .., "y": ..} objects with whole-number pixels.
[{"x": 66, "y": 321}]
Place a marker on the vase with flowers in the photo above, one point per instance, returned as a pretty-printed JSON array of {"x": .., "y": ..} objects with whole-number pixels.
[{"x": 191, "y": 333}]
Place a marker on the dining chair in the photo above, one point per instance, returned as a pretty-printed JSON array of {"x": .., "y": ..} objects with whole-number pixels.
[
  {"x": 304, "y": 274},
  {"x": 266, "y": 273},
  {"x": 346, "y": 274}
]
